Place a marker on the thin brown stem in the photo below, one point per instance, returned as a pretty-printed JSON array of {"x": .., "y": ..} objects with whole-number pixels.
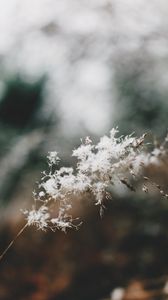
[{"x": 12, "y": 242}]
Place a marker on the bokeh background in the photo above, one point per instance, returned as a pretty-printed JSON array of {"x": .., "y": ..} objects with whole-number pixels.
[{"x": 68, "y": 69}]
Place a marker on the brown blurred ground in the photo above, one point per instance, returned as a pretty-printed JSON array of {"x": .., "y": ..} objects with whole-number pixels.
[{"x": 129, "y": 243}]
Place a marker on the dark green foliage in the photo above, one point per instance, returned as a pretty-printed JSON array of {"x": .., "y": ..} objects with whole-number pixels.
[
  {"x": 20, "y": 117},
  {"x": 20, "y": 103}
]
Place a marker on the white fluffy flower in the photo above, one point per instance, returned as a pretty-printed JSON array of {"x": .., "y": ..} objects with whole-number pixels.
[
  {"x": 98, "y": 167},
  {"x": 53, "y": 158},
  {"x": 39, "y": 217}
]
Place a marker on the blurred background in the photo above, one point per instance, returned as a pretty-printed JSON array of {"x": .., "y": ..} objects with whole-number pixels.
[{"x": 69, "y": 69}]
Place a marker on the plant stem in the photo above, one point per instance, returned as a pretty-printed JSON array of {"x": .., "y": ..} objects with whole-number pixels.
[{"x": 12, "y": 242}]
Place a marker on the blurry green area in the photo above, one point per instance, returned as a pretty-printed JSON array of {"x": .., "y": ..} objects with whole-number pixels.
[
  {"x": 21, "y": 103},
  {"x": 23, "y": 128},
  {"x": 142, "y": 106}
]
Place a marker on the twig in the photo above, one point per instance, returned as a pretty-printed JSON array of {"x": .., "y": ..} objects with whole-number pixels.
[{"x": 12, "y": 242}]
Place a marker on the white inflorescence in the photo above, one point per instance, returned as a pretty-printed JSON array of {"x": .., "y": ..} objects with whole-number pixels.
[
  {"x": 38, "y": 217},
  {"x": 98, "y": 167}
]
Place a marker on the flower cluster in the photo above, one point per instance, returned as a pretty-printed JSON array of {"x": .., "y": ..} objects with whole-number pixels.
[{"x": 113, "y": 159}]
